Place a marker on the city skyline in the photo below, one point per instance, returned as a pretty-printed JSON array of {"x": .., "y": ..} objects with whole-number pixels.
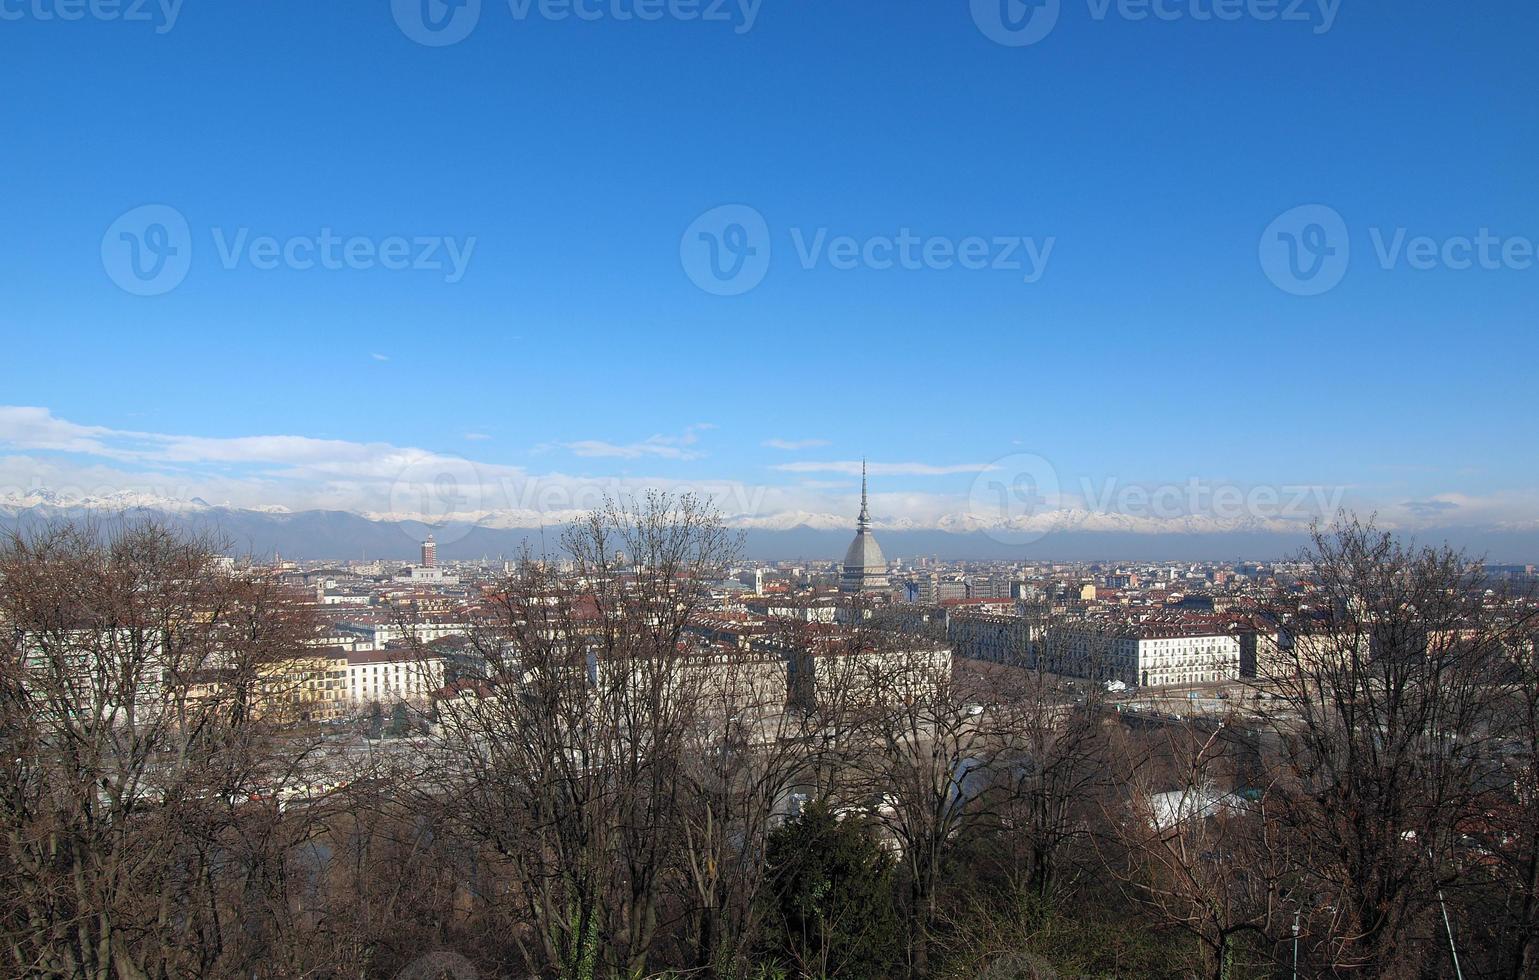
[{"x": 728, "y": 489}]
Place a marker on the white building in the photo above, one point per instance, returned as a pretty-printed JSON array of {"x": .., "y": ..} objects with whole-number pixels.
[
  {"x": 1143, "y": 656},
  {"x": 375, "y": 636},
  {"x": 346, "y": 599},
  {"x": 427, "y": 575},
  {"x": 1200, "y": 658},
  {"x": 389, "y": 676}
]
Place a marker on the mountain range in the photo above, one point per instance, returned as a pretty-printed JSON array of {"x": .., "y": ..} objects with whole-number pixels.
[{"x": 1068, "y": 535}]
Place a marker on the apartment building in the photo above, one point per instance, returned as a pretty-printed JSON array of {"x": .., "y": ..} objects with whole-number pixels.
[
  {"x": 310, "y": 686},
  {"x": 388, "y": 676},
  {"x": 1143, "y": 655},
  {"x": 979, "y": 635},
  {"x": 1175, "y": 656}
]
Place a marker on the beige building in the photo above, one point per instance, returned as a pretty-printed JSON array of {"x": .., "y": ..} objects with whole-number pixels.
[
  {"x": 907, "y": 672},
  {"x": 716, "y": 678},
  {"x": 994, "y": 638}
]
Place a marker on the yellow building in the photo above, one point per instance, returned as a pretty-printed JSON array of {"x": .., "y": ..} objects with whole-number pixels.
[{"x": 310, "y": 686}]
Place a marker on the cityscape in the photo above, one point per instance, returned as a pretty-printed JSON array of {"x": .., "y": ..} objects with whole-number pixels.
[
  {"x": 1175, "y": 734},
  {"x": 720, "y": 490}
]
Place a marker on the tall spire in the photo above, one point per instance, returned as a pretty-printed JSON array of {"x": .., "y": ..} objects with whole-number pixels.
[
  {"x": 865, "y": 570},
  {"x": 865, "y": 515}
]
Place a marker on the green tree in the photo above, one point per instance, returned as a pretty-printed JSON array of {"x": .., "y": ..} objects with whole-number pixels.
[
  {"x": 831, "y": 904},
  {"x": 400, "y": 722}
]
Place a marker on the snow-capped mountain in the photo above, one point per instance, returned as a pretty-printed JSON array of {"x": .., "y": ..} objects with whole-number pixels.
[{"x": 1066, "y": 533}]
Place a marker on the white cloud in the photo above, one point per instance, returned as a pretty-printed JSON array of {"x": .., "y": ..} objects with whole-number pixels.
[
  {"x": 24, "y": 427},
  {"x": 791, "y": 445},
  {"x": 657, "y": 446},
  {"x": 380, "y": 357},
  {"x": 1507, "y": 509},
  {"x": 851, "y": 467},
  {"x": 39, "y": 451}
]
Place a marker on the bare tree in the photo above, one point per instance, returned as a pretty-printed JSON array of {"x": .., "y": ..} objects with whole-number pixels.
[
  {"x": 1195, "y": 854},
  {"x": 743, "y": 759},
  {"x": 937, "y": 766},
  {"x": 134, "y": 761},
  {"x": 565, "y": 756},
  {"x": 1508, "y": 832},
  {"x": 1389, "y": 683},
  {"x": 1064, "y": 746}
]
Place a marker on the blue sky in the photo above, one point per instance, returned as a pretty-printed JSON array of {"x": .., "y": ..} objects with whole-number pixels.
[{"x": 1148, "y": 155}]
